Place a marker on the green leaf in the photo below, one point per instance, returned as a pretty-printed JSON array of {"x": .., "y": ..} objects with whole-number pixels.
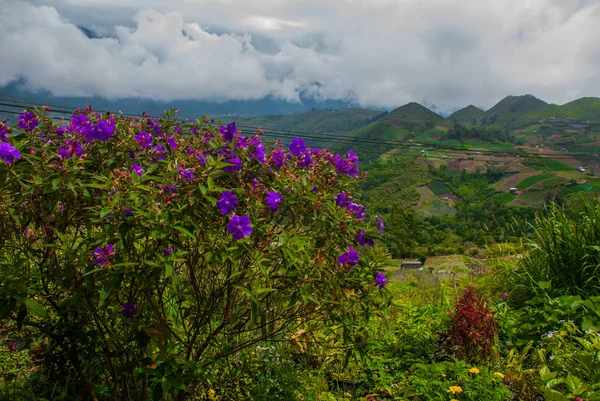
[
  {"x": 575, "y": 385},
  {"x": 184, "y": 230},
  {"x": 36, "y": 308},
  {"x": 103, "y": 295},
  {"x": 105, "y": 211}
]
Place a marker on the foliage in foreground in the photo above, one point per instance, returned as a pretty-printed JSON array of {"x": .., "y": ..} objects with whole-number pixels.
[{"x": 143, "y": 256}]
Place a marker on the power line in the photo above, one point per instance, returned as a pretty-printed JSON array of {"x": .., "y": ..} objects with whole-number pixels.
[{"x": 327, "y": 138}]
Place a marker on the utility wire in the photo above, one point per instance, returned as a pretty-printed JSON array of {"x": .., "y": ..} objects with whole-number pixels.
[{"x": 324, "y": 138}]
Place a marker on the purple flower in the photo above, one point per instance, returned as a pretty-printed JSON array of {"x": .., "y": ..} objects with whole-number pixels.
[
  {"x": 257, "y": 151},
  {"x": 60, "y": 131},
  {"x": 227, "y": 202},
  {"x": 273, "y": 199},
  {"x": 61, "y": 207},
  {"x": 131, "y": 154},
  {"x": 143, "y": 139},
  {"x": 153, "y": 125},
  {"x": 186, "y": 173},
  {"x": 314, "y": 189},
  {"x": 70, "y": 148},
  {"x": 242, "y": 142},
  {"x": 380, "y": 223},
  {"x": 172, "y": 143},
  {"x": 160, "y": 149},
  {"x": 102, "y": 255},
  {"x": 363, "y": 240},
  {"x": 9, "y": 153},
  {"x": 278, "y": 157},
  {"x": 166, "y": 189},
  {"x": 239, "y": 227},
  {"x": 237, "y": 165},
  {"x": 170, "y": 250},
  {"x": 380, "y": 280},
  {"x": 304, "y": 160},
  {"x": 346, "y": 165},
  {"x": 298, "y": 146},
  {"x": 351, "y": 257},
  {"x": 129, "y": 310},
  {"x": 341, "y": 200},
  {"x": 28, "y": 121},
  {"x": 81, "y": 124},
  {"x": 102, "y": 130},
  {"x": 3, "y": 133},
  {"x": 229, "y": 131},
  {"x": 137, "y": 169},
  {"x": 201, "y": 159},
  {"x": 357, "y": 210},
  {"x": 128, "y": 212}
]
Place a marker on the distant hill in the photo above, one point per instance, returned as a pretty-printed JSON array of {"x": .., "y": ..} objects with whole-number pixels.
[
  {"x": 518, "y": 111},
  {"x": 586, "y": 108},
  {"x": 319, "y": 123},
  {"x": 316, "y": 121},
  {"x": 467, "y": 116},
  {"x": 393, "y": 129},
  {"x": 411, "y": 114},
  {"x": 189, "y": 108}
]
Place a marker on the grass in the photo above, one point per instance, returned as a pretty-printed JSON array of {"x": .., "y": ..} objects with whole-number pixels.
[
  {"x": 565, "y": 237},
  {"x": 530, "y": 198},
  {"x": 546, "y": 164},
  {"x": 438, "y": 188},
  {"x": 527, "y": 182},
  {"x": 590, "y": 186},
  {"x": 554, "y": 182},
  {"x": 504, "y": 198}
]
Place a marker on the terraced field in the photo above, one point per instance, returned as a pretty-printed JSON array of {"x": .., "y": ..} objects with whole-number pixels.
[{"x": 529, "y": 181}]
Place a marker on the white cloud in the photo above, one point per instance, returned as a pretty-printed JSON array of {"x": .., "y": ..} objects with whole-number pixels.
[{"x": 379, "y": 53}]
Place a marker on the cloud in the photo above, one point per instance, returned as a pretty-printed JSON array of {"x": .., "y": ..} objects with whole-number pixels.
[{"x": 380, "y": 53}]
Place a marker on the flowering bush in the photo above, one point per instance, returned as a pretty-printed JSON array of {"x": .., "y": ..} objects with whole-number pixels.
[{"x": 146, "y": 252}]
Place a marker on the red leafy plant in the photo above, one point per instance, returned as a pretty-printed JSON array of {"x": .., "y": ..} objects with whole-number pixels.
[{"x": 473, "y": 326}]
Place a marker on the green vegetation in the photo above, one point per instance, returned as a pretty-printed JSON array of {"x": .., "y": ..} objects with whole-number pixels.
[
  {"x": 507, "y": 306},
  {"x": 504, "y": 198},
  {"x": 467, "y": 116},
  {"x": 547, "y": 164},
  {"x": 438, "y": 188},
  {"x": 527, "y": 182},
  {"x": 565, "y": 235}
]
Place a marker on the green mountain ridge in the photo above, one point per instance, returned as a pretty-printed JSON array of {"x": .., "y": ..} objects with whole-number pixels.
[{"x": 467, "y": 116}]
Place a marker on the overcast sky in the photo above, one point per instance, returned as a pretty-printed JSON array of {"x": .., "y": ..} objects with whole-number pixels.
[{"x": 382, "y": 53}]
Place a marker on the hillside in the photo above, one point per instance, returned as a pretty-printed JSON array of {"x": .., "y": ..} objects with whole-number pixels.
[
  {"x": 467, "y": 116},
  {"x": 411, "y": 114},
  {"x": 397, "y": 126},
  {"x": 518, "y": 111},
  {"x": 316, "y": 121},
  {"x": 586, "y": 108}
]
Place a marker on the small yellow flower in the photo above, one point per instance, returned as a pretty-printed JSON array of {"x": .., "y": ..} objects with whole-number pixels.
[
  {"x": 211, "y": 394},
  {"x": 443, "y": 375},
  {"x": 454, "y": 399},
  {"x": 455, "y": 389},
  {"x": 499, "y": 375},
  {"x": 475, "y": 371}
]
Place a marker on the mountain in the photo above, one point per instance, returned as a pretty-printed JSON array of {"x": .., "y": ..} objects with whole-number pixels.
[
  {"x": 518, "y": 111},
  {"x": 586, "y": 108},
  {"x": 316, "y": 124},
  {"x": 189, "y": 108},
  {"x": 410, "y": 114},
  {"x": 467, "y": 116},
  {"x": 397, "y": 126}
]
